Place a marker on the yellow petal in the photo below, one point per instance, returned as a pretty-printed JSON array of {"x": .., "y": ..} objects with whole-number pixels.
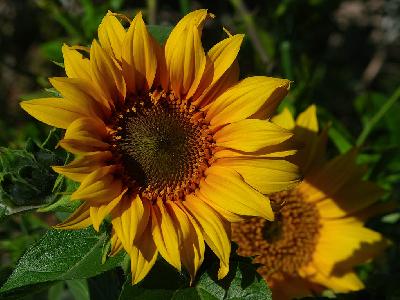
[
  {"x": 353, "y": 197},
  {"x": 162, "y": 76},
  {"x": 191, "y": 241},
  {"x": 345, "y": 243},
  {"x": 78, "y": 169},
  {"x": 111, "y": 35},
  {"x": 143, "y": 256},
  {"x": 221, "y": 56},
  {"x": 56, "y": 112},
  {"x": 214, "y": 231},
  {"x": 164, "y": 235},
  {"x": 116, "y": 244},
  {"x": 100, "y": 186},
  {"x": 106, "y": 74},
  {"x": 76, "y": 66},
  {"x": 265, "y": 175},
  {"x": 267, "y": 152},
  {"x": 326, "y": 181},
  {"x": 139, "y": 59},
  {"x": 99, "y": 212},
  {"x": 306, "y": 133},
  {"x": 85, "y": 135},
  {"x": 308, "y": 119},
  {"x": 226, "y": 188},
  {"x": 184, "y": 53},
  {"x": 348, "y": 282},
  {"x": 129, "y": 220},
  {"x": 228, "y": 79},
  {"x": 250, "y": 96},
  {"x": 226, "y": 214},
  {"x": 79, "y": 219},
  {"x": 84, "y": 94},
  {"x": 251, "y": 135},
  {"x": 284, "y": 119}
]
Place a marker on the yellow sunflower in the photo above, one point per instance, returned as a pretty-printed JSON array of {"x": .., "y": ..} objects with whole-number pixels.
[
  {"x": 168, "y": 142},
  {"x": 318, "y": 235}
]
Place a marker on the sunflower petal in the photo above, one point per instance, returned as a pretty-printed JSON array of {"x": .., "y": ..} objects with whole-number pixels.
[
  {"x": 164, "y": 235},
  {"x": 228, "y": 79},
  {"x": 184, "y": 53},
  {"x": 143, "y": 256},
  {"x": 99, "y": 186},
  {"x": 129, "y": 220},
  {"x": 221, "y": 57},
  {"x": 250, "y": 96},
  {"x": 344, "y": 283},
  {"x": 79, "y": 219},
  {"x": 226, "y": 188},
  {"x": 329, "y": 179},
  {"x": 339, "y": 255},
  {"x": 76, "y": 66},
  {"x": 98, "y": 213},
  {"x": 226, "y": 214},
  {"x": 353, "y": 197},
  {"x": 106, "y": 74},
  {"x": 85, "y": 135},
  {"x": 84, "y": 94},
  {"x": 111, "y": 35},
  {"x": 213, "y": 229},
  {"x": 265, "y": 175},
  {"x": 139, "y": 58},
  {"x": 308, "y": 119},
  {"x": 116, "y": 244},
  {"x": 284, "y": 119},
  {"x": 251, "y": 135},
  {"x": 78, "y": 169},
  {"x": 191, "y": 241},
  {"x": 56, "y": 112},
  {"x": 162, "y": 76}
]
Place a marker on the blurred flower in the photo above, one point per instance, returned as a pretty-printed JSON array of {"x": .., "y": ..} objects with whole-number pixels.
[
  {"x": 318, "y": 235},
  {"x": 167, "y": 141}
]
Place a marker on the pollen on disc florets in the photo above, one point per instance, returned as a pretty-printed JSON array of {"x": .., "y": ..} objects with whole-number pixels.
[
  {"x": 286, "y": 244},
  {"x": 163, "y": 144}
]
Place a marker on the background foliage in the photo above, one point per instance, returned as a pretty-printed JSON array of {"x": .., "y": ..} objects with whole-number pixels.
[{"x": 342, "y": 55}]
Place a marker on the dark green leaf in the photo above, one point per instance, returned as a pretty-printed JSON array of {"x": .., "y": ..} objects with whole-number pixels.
[
  {"x": 161, "y": 283},
  {"x": 106, "y": 286},
  {"x": 242, "y": 282},
  {"x": 61, "y": 255},
  {"x": 160, "y": 33},
  {"x": 79, "y": 289}
]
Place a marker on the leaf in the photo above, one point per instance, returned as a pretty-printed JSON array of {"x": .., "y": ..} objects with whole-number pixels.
[
  {"x": 106, "y": 286},
  {"x": 26, "y": 179},
  {"x": 61, "y": 255},
  {"x": 160, "y": 283},
  {"x": 242, "y": 282},
  {"x": 79, "y": 289},
  {"x": 160, "y": 33}
]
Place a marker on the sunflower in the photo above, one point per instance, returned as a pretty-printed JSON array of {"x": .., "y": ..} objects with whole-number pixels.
[
  {"x": 318, "y": 235},
  {"x": 168, "y": 142}
]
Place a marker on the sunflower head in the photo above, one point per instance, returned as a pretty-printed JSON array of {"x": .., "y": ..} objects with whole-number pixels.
[
  {"x": 167, "y": 141},
  {"x": 318, "y": 235}
]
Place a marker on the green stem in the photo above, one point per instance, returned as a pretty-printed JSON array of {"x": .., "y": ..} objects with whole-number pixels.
[
  {"x": 248, "y": 21},
  {"x": 377, "y": 117},
  {"x": 152, "y": 10}
]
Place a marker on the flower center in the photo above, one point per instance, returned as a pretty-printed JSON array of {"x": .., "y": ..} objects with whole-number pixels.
[
  {"x": 288, "y": 243},
  {"x": 164, "y": 145}
]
